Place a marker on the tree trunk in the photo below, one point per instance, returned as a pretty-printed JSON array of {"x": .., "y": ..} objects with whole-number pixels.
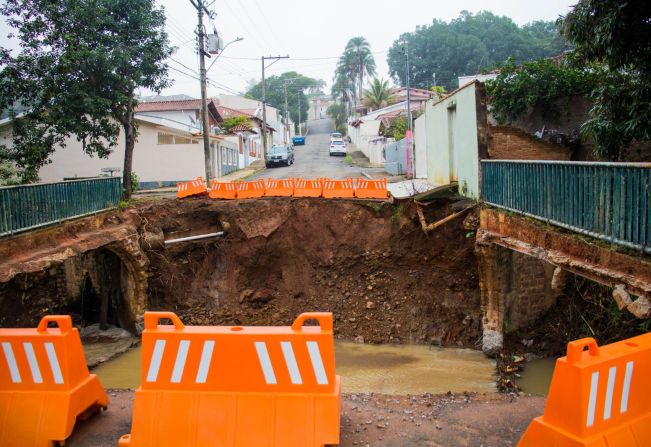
[{"x": 129, "y": 143}]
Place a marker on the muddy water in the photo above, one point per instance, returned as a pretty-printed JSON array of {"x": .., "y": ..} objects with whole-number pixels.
[
  {"x": 536, "y": 376},
  {"x": 390, "y": 369}
]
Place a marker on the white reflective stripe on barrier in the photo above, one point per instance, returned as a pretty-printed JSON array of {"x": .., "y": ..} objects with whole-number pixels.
[
  {"x": 610, "y": 388},
  {"x": 206, "y": 358},
  {"x": 156, "y": 358},
  {"x": 265, "y": 363},
  {"x": 292, "y": 366},
  {"x": 32, "y": 361},
  {"x": 290, "y": 362},
  {"x": 179, "y": 363},
  {"x": 54, "y": 362},
  {"x": 317, "y": 363},
  {"x": 11, "y": 361}
]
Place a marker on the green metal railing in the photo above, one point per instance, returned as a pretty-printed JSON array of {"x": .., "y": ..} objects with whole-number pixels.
[
  {"x": 610, "y": 201},
  {"x": 26, "y": 207}
]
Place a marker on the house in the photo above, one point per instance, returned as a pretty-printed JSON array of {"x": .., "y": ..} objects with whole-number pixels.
[
  {"x": 254, "y": 107},
  {"x": 167, "y": 151},
  {"x": 456, "y": 132}
]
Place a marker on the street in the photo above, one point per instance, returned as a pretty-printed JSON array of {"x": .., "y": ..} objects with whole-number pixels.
[{"x": 313, "y": 160}]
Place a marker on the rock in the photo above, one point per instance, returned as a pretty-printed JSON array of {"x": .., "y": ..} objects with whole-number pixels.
[
  {"x": 359, "y": 339},
  {"x": 261, "y": 296},
  {"x": 94, "y": 333},
  {"x": 559, "y": 279},
  {"x": 154, "y": 241},
  {"x": 370, "y": 305},
  {"x": 246, "y": 294},
  {"x": 641, "y": 308},
  {"x": 621, "y": 296},
  {"x": 492, "y": 342}
]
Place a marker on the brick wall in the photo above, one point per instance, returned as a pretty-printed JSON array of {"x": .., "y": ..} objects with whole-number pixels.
[
  {"x": 509, "y": 143},
  {"x": 516, "y": 289}
]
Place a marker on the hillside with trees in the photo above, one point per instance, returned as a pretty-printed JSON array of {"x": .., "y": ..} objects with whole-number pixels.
[
  {"x": 469, "y": 45},
  {"x": 299, "y": 87}
]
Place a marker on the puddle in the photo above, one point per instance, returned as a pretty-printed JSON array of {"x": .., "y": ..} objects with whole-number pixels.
[
  {"x": 536, "y": 376},
  {"x": 388, "y": 369}
]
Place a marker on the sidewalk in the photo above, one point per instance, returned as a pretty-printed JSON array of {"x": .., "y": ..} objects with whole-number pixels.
[{"x": 240, "y": 174}]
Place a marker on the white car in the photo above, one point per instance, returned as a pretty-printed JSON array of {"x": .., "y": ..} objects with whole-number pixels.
[
  {"x": 335, "y": 136},
  {"x": 337, "y": 147}
]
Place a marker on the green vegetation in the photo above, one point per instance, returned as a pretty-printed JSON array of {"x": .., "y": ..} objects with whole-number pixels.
[
  {"x": 135, "y": 182},
  {"x": 338, "y": 113},
  {"x": 540, "y": 84},
  {"x": 8, "y": 174},
  {"x": 348, "y": 159},
  {"x": 355, "y": 62},
  {"x": 615, "y": 38},
  {"x": 611, "y": 64},
  {"x": 76, "y": 75},
  {"x": 378, "y": 95},
  {"x": 467, "y": 45},
  {"x": 229, "y": 123},
  {"x": 297, "y": 85}
]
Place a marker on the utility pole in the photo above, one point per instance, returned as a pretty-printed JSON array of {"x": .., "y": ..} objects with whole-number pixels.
[
  {"x": 286, "y": 132},
  {"x": 300, "y": 134},
  {"x": 201, "y": 8},
  {"x": 264, "y": 101},
  {"x": 409, "y": 134}
]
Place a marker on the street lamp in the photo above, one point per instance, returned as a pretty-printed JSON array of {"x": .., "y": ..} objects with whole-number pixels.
[{"x": 224, "y": 49}]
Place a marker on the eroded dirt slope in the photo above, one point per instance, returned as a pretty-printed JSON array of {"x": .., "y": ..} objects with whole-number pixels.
[{"x": 371, "y": 265}]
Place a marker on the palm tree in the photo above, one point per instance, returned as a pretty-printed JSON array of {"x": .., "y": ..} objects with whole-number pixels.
[
  {"x": 343, "y": 89},
  {"x": 379, "y": 95},
  {"x": 356, "y": 61}
]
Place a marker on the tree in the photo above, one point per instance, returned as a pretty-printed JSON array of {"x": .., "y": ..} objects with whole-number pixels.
[
  {"x": 343, "y": 90},
  {"x": 356, "y": 61},
  {"x": 76, "y": 75},
  {"x": 614, "y": 38},
  {"x": 339, "y": 114},
  {"x": 467, "y": 45},
  {"x": 378, "y": 95},
  {"x": 297, "y": 84}
]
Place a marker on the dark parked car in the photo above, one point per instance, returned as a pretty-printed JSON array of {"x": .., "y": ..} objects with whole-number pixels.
[{"x": 282, "y": 154}]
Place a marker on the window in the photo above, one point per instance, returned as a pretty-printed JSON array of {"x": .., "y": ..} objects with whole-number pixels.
[{"x": 168, "y": 138}]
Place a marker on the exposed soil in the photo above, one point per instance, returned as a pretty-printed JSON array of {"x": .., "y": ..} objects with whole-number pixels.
[
  {"x": 466, "y": 420},
  {"x": 368, "y": 263}
]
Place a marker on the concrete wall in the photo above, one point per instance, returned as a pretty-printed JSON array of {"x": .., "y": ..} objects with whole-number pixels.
[
  {"x": 452, "y": 141},
  {"x": 420, "y": 146}
]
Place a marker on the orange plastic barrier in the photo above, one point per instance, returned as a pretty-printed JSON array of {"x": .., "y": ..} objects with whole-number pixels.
[
  {"x": 280, "y": 188},
  {"x": 338, "y": 188},
  {"x": 598, "y": 398},
  {"x": 371, "y": 189},
  {"x": 308, "y": 188},
  {"x": 222, "y": 190},
  {"x": 236, "y": 386},
  {"x": 250, "y": 190},
  {"x": 44, "y": 384},
  {"x": 193, "y": 188}
]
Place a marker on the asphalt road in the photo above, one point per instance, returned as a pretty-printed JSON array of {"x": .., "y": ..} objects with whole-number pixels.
[{"x": 313, "y": 160}]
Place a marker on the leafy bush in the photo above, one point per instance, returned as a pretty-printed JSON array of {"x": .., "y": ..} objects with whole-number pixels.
[{"x": 539, "y": 83}]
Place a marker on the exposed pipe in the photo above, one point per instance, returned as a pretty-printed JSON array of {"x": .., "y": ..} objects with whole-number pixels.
[{"x": 194, "y": 238}]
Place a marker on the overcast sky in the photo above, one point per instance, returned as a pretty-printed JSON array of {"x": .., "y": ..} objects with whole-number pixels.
[
  {"x": 312, "y": 33},
  {"x": 315, "y": 33}
]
